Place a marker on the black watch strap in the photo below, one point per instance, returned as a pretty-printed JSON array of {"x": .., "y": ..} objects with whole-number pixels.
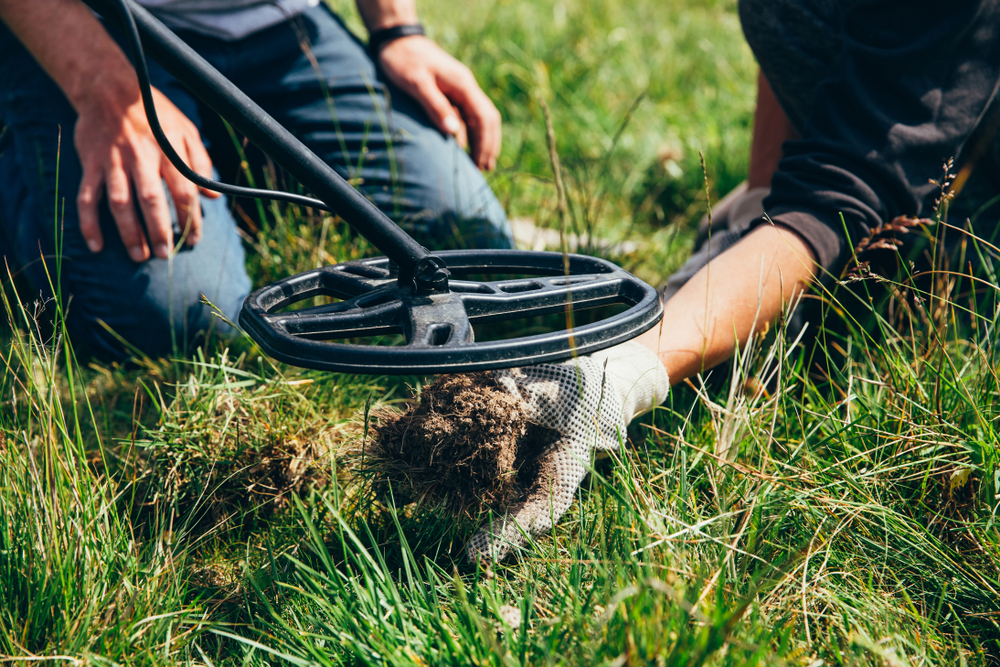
[{"x": 379, "y": 38}]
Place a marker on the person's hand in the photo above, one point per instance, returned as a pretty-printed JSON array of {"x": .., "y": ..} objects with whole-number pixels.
[
  {"x": 443, "y": 85},
  {"x": 589, "y": 401},
  {"x": 121, "y": 158}
]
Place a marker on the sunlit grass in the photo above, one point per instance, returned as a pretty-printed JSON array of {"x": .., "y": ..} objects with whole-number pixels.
[{"x": 806, "y": 505}]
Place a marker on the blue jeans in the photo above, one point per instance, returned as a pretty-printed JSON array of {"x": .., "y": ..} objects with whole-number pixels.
[{"x": 335, "y": 101}]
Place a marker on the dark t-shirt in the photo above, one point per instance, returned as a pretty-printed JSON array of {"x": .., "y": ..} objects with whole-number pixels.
[{"x": 883, "y": 93}]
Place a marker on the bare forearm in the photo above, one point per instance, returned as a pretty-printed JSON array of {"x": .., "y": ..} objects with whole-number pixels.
[
  {"x": 737, "y": 294},
  {"x": 380, "y": 14},
  {"x": 73, "y": 47}
]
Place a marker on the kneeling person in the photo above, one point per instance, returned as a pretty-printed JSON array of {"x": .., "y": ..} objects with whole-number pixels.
[{"x": 384, "y": 117}]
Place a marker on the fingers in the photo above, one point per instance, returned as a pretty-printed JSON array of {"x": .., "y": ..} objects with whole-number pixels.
[
  {"x": 200, "y": 162},
  {"x": 121, "y": 204},
  {"x": 481, "y": 117},
  {"x": 121, "y": 156},
  {"x": 437, "y": 106},
  {"x": 145, "y": 190},
  {"x": 440, "y": 84},
  {"x": 152, "y": 201},
  {"x": 185, "y": 193},
  {"x": 123, "y": 211},
  {"x": 462, "y": 138},
  {"x": 87, "y": 198},
  {"x": 561, "y": 468},
  {"x": 187, "y": 205}
]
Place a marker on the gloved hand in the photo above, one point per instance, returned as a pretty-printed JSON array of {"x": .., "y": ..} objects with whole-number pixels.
[{"x": 589, "y": 401}]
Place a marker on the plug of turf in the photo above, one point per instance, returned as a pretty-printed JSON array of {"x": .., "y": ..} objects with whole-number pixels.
[
  {"x": 466, "y": 444},
  {"x": 230, "y": 458}
]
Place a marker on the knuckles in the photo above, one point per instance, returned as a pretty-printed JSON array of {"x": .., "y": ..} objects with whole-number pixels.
[
  {"x": 118, "y": 202},
  {"x": 150, "y": 198}
]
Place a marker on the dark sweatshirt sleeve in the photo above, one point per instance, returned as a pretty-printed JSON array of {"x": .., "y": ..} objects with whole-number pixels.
[{"x": 911, "y": 83}]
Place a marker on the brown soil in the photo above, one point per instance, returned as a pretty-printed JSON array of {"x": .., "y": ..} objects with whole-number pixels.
[{"x": 462, "y": 444}]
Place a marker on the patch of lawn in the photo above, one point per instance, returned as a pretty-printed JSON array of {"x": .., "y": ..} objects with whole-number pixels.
[{"x": 810, "y": 505}]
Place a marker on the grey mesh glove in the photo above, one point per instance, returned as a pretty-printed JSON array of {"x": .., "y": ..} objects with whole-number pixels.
[{"x": 589, "y": 401}]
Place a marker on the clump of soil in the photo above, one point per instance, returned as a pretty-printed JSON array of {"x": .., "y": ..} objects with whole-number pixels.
[{"x": 462, "y": 444}]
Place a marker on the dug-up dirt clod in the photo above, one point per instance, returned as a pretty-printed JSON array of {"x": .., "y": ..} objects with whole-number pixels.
[{"x": 462, "y": 444}]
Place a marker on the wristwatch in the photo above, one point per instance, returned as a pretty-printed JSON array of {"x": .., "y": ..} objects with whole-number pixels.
[{"x": 379, "y": 38}]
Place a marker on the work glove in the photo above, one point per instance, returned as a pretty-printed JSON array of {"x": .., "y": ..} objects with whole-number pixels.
[{"x": 588, "y": 401}]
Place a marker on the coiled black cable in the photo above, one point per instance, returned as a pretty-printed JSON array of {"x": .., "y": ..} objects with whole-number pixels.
[{"x": 145, "y": 88}]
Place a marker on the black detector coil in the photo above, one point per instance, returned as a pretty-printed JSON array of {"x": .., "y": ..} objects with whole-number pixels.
[
  {"x": 412, "y": 292},
  {"x": 437, "y": 326}
]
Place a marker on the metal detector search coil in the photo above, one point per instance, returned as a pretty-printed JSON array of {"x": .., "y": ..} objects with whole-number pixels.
[
  {"x": 437, "y": 326},
  {"x": 410, "y": 291}
]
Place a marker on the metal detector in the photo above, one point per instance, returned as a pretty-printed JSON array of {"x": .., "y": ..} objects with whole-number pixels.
[{"x": 431, "y": 299}]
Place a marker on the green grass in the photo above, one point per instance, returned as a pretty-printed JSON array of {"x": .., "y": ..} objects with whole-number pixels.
[{"x": 205, "y": 511}]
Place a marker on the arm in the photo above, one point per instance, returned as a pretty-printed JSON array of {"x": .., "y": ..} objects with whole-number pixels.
[
  {"x": 903, "y": 95},
  {"x": 117, "y": 149},
  {"x": 441, "y": 84},
  {"x": 906, "y": 92},
  {"x": 771, "y": 129},
  {"x": 718, "y": 307},
  {"x": 590, "y": 400}
]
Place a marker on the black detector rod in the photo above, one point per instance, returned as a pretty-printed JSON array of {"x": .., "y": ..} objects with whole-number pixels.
[{"x": 211, "y": 87}]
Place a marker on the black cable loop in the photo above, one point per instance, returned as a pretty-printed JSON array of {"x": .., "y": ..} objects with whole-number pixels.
[{"x": 145, "y": 88}]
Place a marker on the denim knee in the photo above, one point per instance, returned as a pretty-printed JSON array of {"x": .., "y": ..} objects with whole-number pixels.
[
  {"x": 447, "y": 201},
  {"x": 114, "y": 306},
  {"x": 162, "y": 306},
  {"x": 346, "y": 111}
]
